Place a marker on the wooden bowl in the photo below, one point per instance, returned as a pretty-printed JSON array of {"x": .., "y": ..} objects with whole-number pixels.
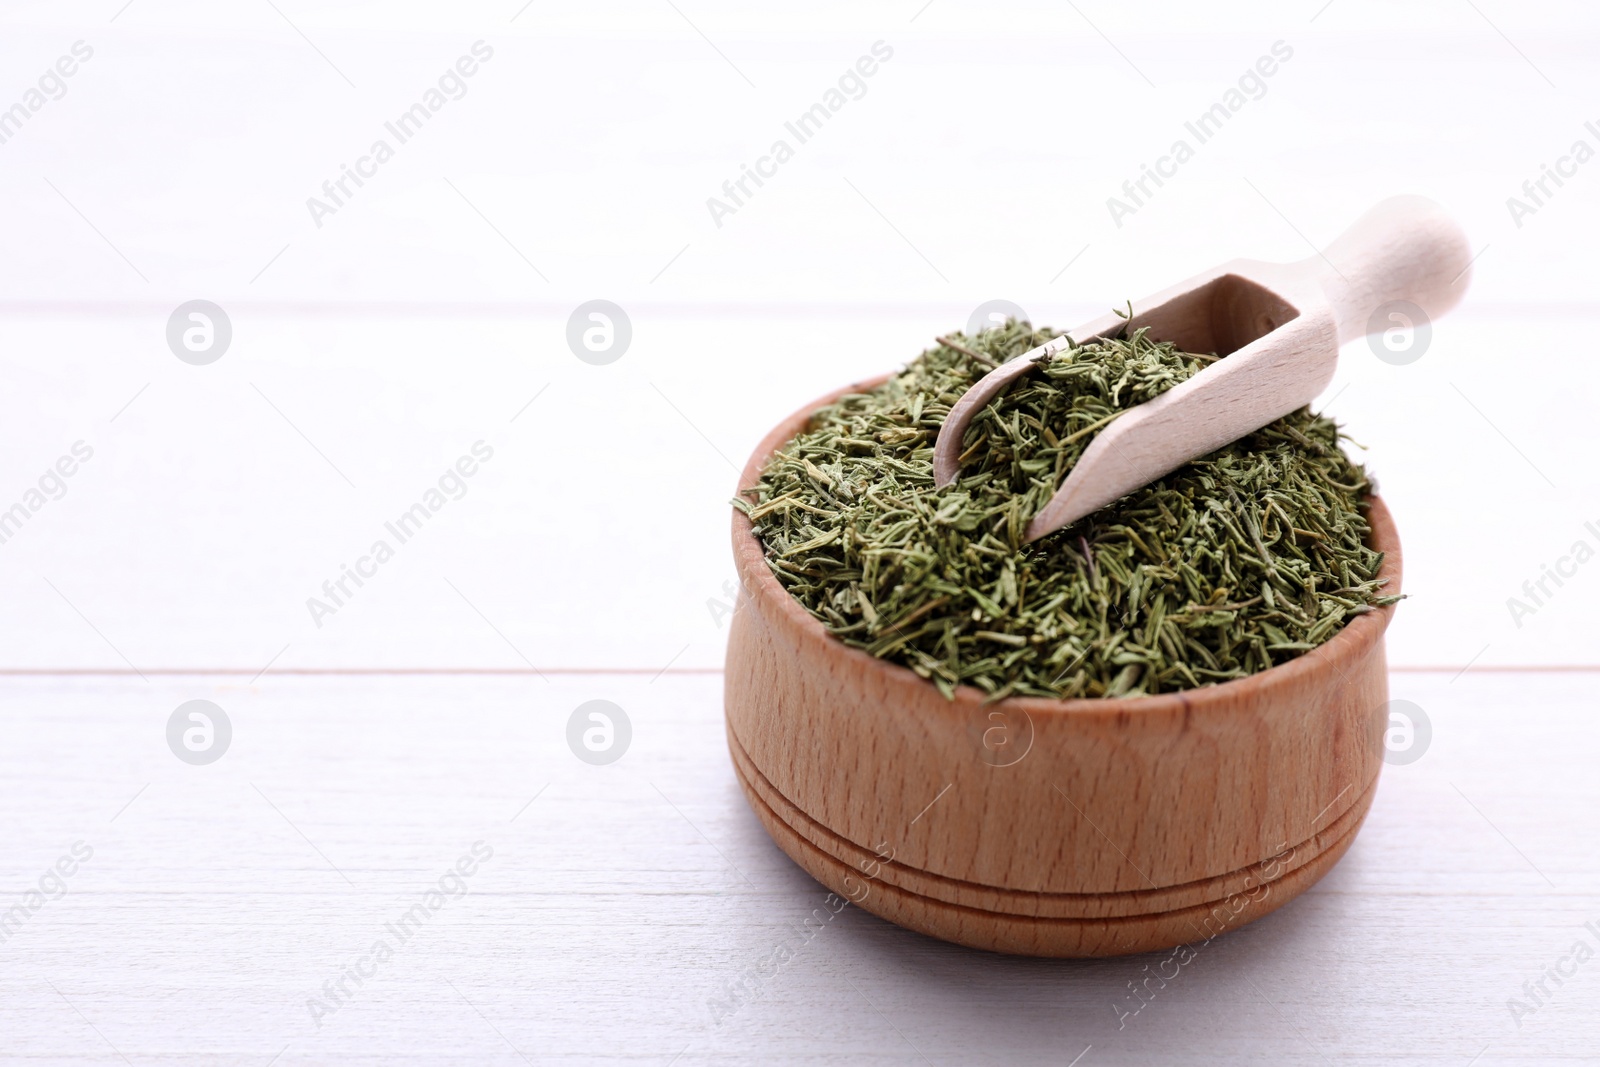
[{"x": 1049, "y": 827}]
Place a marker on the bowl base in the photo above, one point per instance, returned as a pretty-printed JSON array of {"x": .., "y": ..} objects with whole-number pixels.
[{"x": 866, "y": 884}]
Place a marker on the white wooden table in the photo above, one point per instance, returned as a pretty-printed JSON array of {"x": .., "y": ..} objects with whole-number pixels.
[{"x": 623, "y": 903}]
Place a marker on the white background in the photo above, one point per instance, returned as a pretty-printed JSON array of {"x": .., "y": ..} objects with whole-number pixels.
[{"x": 372, "y": 351}]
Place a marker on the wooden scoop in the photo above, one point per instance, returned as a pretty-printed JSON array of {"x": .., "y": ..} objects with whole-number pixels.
[{"x": 1280, "y": 326}]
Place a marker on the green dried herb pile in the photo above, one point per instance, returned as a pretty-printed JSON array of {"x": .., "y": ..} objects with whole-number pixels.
[{"x": 1230, "y": 565}]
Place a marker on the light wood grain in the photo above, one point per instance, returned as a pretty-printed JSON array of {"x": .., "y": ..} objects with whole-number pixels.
[
  {"x": 1115, "y": 825},
  {"x": 407, "y": 327},
  {"x": 613, "y": 915},
  {"x": 1279, "y": 325}
]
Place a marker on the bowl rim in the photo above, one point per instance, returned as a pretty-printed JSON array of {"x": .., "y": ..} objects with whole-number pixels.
[{"x": 1338, "y": 655}]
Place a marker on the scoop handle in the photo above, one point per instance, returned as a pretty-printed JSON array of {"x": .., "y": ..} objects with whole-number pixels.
[{"x": 1407, "y": 248}]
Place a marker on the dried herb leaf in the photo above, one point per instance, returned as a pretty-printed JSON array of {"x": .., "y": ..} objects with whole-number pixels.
[{"x": 1239, "y": 561}]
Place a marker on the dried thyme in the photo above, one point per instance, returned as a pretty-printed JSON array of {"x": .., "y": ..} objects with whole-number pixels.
[{"x": 1230, "y": 565}]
